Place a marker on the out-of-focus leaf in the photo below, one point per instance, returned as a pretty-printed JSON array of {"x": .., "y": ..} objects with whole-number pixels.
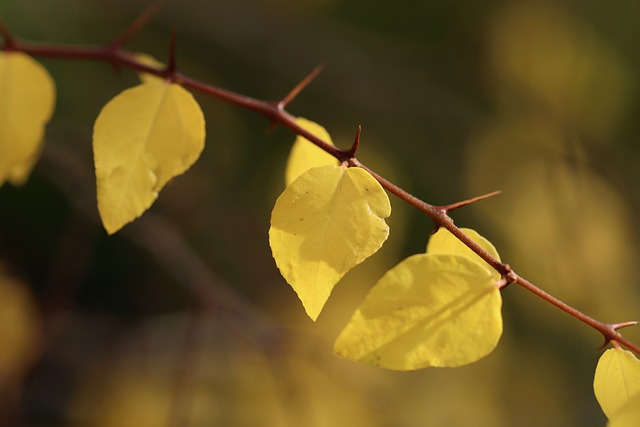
[
  {"x": 544, "y": 58},
  {"x": 19, "y": 326},
  {"x": 27, "y": 98},
  {"x": 575, "y": 223},
  {"x": 326, "y": 222},
  {"x": 429, "y": 310},
  {"x": 142, "y": 138},
  {"x": 305, "y": 155},
  {"x": 617, "y": 380},
  {"x": 229, "y": 381}
]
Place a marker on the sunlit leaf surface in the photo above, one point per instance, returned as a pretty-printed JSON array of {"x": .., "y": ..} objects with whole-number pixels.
[
  {"x": 617, "y": 380},
  {"x": 443, "y": 242},
  {"x": 142, "y": 138},
  {"x": 305, "y": 155},
  {"x": 429, "y": 310},
  {"x": 27, "y": 98},
  {"x": 628, "y": 415},
  {"x": 326, "y": 222}
]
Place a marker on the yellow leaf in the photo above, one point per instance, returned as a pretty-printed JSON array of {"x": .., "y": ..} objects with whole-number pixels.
[
  {"x": 305, "y": 155},
  {"x": 443, "y": 242},
  {"x": 142, "y": 138},
  {"x": 628, "y": 415},
  {"x": 429, "y": 310},
  {"x": 27, "y": 98},
  {"x": 326, "y": 222},
  {"x": 617, "y": 380}
]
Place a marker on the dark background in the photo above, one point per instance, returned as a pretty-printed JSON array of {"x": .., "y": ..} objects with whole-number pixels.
[{"x": 182, "y": 318}]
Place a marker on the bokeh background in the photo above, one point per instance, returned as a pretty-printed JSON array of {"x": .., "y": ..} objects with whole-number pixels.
[{"x": 181, "y": 319}]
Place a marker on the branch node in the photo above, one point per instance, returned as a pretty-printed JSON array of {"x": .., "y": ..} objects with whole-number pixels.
[
  {"x": 457, "y": 205},
  {"x": 612, "y": 329},
  {"x": 508, "y": 277},
  {"x": 299, "y": 88},
  {"x": 135, "y": 26}
]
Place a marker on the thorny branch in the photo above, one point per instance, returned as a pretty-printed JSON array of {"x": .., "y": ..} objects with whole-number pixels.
[{"x": 276, "y": 112}]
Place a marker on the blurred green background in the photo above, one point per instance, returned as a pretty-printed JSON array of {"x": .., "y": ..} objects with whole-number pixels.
[{"x": 182, "y": 318}]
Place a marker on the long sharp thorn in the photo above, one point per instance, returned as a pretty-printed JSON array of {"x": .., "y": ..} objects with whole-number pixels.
[
  {"x": 171, "y": 64},
  {"x": 454, "y": 206},
  {"x": 136, "y": 25},
  {"x": 617, "y": 326},
  {"x": 356, "y": 143},
  {"x": 300, "y": 87}
]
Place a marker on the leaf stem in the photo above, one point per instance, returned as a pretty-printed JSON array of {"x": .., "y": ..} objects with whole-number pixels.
[{"x": 276, "y": 112}]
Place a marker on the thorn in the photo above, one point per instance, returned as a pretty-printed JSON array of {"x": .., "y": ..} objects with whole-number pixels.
[
  {"x": 272, "y": 127},
  {"x": 454, "y": 206},
  {"x": 607, "y": 341},
  {"x": 614, "y": 328},
  {"x": 617, "y": 326},
  {"x": 356, "y": 143},
  {"x": 171, "y": 64},
  {"x": 299, "y": 87},
  {"x": 9, "y": 39},
  {"x": 136, "y": 25}
]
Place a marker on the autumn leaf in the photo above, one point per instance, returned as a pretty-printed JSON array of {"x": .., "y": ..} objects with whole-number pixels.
[
  {"x": 429, "y": 310},
  {"x": 628, "y": 414},
  {"x": 327, "y": 221},
  {"x": 27, "y": 98},
  {"x": 617, "y": 380},
  {"x": 142, "y": 138},
  {"x": 305, "y": 155}
]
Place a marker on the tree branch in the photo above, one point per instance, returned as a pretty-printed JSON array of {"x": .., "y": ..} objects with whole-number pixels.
[{"x": 276, "y": 112}]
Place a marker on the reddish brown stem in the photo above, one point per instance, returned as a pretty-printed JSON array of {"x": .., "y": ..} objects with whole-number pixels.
[{"x": 277, "y": 114}]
